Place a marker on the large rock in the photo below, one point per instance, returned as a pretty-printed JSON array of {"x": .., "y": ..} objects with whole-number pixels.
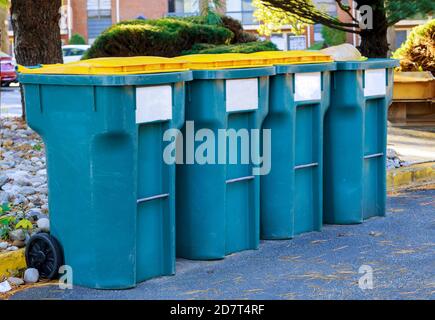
[
  {"x": 44, "y": 224},
  {"x": 3, "y": 180},
  {"x": 18, "y": 234},
  {"x": 391, "y": 153},
  {"x": 15, "y": 281},
  {"x": 31, "y": 275},
  {"x": 35, "y": 214},
  {"x": 5, "y": 287}
]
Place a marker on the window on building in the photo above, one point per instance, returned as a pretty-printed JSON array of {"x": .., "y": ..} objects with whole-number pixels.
[
  {"x": 318, "y": 33},
  {"x": 279, "y": 40},
  {"x": 241, "y": 10},
  {"x": 99, "y": 17},
  {"x": 99, "y": 8},
  {"x": 171, "y": 6},
  {"x": 183, "y": 7},
  {"x": 401, "y": 36},
  {"x": 297, "y": 42}
]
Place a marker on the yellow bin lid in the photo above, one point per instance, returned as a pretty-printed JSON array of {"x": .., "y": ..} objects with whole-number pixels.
[
  {"x": 223, "y": 61},
  {"x": 111, "y": 66},
  {"x": 293, "y": 57}
]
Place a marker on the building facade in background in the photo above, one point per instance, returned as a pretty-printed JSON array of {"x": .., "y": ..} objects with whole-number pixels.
[{"x": 90, "y": 17}]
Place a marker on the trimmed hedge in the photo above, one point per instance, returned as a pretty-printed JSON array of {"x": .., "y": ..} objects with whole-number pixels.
[
  {"x": 77, "y": 39},
  {"x": 167, "y": 37},
  {"x": 249, "y": 47}
]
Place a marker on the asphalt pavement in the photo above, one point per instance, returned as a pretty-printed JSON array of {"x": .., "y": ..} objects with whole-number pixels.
[
  {"x": 10, "y": 101},
  {"x": 396, "y": 251}
]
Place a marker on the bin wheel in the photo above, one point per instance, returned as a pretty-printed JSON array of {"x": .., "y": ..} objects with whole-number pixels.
[{"x": 43, "y": 252}]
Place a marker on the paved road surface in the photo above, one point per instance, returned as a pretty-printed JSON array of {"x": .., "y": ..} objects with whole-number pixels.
[
  {"x": 400, "y": 248},
  {"x": 10, "y": 101}
]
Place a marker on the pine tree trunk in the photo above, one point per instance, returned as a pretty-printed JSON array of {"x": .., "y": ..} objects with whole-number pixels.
[
  {"x": 374, "y": 43},
  {"x": 36, "y": 33},
  {"x": 4, "y": 39}
]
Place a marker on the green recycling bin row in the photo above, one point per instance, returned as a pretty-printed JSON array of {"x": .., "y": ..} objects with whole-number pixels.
[{"x": 121, "y": 212}]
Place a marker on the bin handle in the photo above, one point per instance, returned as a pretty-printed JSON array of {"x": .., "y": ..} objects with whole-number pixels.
[
  {"x": 239, "y": 179},
  {"x": 375, "y": 155},
  {"x": 309, "y": 165},
  {"x": 159, "y": 196}
]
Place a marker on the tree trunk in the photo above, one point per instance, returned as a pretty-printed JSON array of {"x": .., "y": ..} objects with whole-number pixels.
[
  {"x": 4, "y": 39},
  {"x": 36, "y": 33},
  {"x": 374, "y": 43}
]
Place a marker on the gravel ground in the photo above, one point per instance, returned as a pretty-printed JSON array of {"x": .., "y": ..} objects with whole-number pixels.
[{"x": 23, "y": 182}]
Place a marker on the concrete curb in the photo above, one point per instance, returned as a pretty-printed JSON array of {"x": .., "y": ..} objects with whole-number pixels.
[
  {"x": 413, "y": 176},
  {"x": 11, "y": 261}
]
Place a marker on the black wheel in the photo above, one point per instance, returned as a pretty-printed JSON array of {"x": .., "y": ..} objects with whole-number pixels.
[{"x": 43, "y": 252}]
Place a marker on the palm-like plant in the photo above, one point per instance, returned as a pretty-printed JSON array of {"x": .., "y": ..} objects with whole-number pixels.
[{"x": 205, "y": 6}]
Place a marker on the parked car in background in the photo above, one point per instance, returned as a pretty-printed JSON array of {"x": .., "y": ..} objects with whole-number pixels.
[
  {"x": 73, "y": 52},
  {"x": 7, "y": 70}
]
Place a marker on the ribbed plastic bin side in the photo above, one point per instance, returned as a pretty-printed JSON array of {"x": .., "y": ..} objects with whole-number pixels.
[
  {"x": 111, "y": 196},
  {"x": 355, "y": 141},
  {"x": 218, "y": 203},
  {"x": 291, "y": 194}
]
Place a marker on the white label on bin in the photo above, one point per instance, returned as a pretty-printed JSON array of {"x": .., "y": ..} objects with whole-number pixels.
[
  {"x": 375, "y": 83},
  {"x": 308, "y": 86},
  {"x": 241, "y": 94},
  {"x": 153, "y": 103}
]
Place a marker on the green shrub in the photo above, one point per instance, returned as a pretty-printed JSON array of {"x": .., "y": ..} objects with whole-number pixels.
[
  {"x": 166, "y": 37},
  {"x": 417, "y": 53},
  {"x": 248, "y": 47},
  {"x": 333, "y": 37},
  {"x": 77, "y": 39},
  {"x": 317, "y": 46},
  {"x": 240, "y": 36}
]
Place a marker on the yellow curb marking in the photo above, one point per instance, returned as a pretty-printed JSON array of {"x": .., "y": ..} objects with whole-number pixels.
[{"x": 11, "y": 261}]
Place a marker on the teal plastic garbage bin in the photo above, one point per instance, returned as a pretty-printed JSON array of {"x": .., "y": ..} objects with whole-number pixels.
[
  {"x": 355, "y": 141},
  {"x": 291, "y": 194},
  {"x": 218, "y": 200},
  {"x": 111, "y": 195}
]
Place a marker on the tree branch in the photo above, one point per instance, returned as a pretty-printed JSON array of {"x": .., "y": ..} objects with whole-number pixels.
[
  {"x": 346, "y": 9},
  {"x": 306, "y": 12}
]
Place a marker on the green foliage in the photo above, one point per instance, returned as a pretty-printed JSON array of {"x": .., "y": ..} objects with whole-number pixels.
[
  {"x": 166, "y": 37},
  {"x": 401, "y": 9},
  {"x": 37, "y": 147},
  {"x": 24, "y": 224},
  {"x": 11, "y": 222},
  {"x": 6, "y": 225},
  {"x": 417, "y": 53},
  {"x": 248, "y": 47},
  {"x": 333, "y": 37},
  {"x": 77, "y": 39},
  {"x": 317, "y": 46},
  {"x": 395, "y": 10},
  {"x": 4, "y": 208},
  {"x": 4, "y": 4},
  {"x": 240, "y": 36},
  {"x": 273, "y": 19}
]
